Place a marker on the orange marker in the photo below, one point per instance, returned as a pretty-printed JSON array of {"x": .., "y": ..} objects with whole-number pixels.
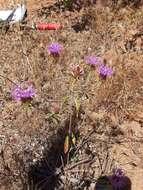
[{"x": 49, "y": 26}]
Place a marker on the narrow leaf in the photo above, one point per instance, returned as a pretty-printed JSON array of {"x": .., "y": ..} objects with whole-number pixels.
[
  {"x": 66, "y": 144},
  {"x": 73, "y": 139}
]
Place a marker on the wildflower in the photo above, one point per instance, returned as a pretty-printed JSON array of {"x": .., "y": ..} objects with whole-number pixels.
[
  {"x": 105, "y": 71},
  {"x": 92, "y": 60},
  {"x": 23, "y": 94},
  {"x": 119, "y": 180},
  {"x": 55, "y": 49},
  {"x": 77, "y": 70}
]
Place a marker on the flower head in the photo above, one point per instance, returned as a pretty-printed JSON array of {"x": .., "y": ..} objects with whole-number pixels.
[
  {"x": 76, "y": 70},
  {"x": 92, "y": 60},
  {"x": 55, "y": 108},
  {"x": 19, "y": 93},
  {"x": 55, "y": 49},
  {"x": 105, "y": 71},
  {"x": 118, "y": 172},
  {"x": 119, "y": 180}
]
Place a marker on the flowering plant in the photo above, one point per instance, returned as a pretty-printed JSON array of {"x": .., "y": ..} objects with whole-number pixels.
[
  {"x": 19, "y": 93},
  {"x": 55, "y": 49}
]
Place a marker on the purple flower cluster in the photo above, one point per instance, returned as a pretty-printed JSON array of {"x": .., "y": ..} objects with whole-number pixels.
[
  {"x": 23, "y": 94},
  {"x": 92, "y": 60},
  {"x": 119, "y": 181},
  {"x": 104, "y": 71},
  {"x": 55, "y": 49}
]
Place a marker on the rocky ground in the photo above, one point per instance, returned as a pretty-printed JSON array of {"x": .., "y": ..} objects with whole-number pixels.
[{"x": 105, "y": 116}]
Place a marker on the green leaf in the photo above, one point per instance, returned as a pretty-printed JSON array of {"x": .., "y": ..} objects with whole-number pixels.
[
  {"x": 73, "y": 139},
  {"x": 66, "y": 144}
]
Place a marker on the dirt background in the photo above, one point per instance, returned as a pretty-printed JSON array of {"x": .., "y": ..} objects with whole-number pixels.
[{"x": 115, "y": 33}]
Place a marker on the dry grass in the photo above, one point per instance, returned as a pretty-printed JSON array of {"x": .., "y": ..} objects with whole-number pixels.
[{"x": 115, "y": 36}]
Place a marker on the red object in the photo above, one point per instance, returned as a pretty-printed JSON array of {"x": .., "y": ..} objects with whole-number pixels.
[{"x": 50, "y": 26}]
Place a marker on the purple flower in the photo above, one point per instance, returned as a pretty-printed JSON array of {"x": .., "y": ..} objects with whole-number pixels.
[
  {"x": 55, "y": 49},
  {"x": 92, "y": 60},
  {"x": 23, "y": 94},
  {"x": 118, "y": 172},
  {"x": 105, "y": 71},
  {"x": 119, "y": 180}
]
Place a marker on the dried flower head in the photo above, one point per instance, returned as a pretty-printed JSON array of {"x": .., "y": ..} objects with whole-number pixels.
[
  {"x": 93, "y": 60},
  {"x": 119, "y": 180},
  {"x": 77, "y": 71},
  {"x": 105, "y": 71},
  {"x": 55, "y": 108},
  {"x": 21, "y": 94},
  {"x": 55, "y": 49}
]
